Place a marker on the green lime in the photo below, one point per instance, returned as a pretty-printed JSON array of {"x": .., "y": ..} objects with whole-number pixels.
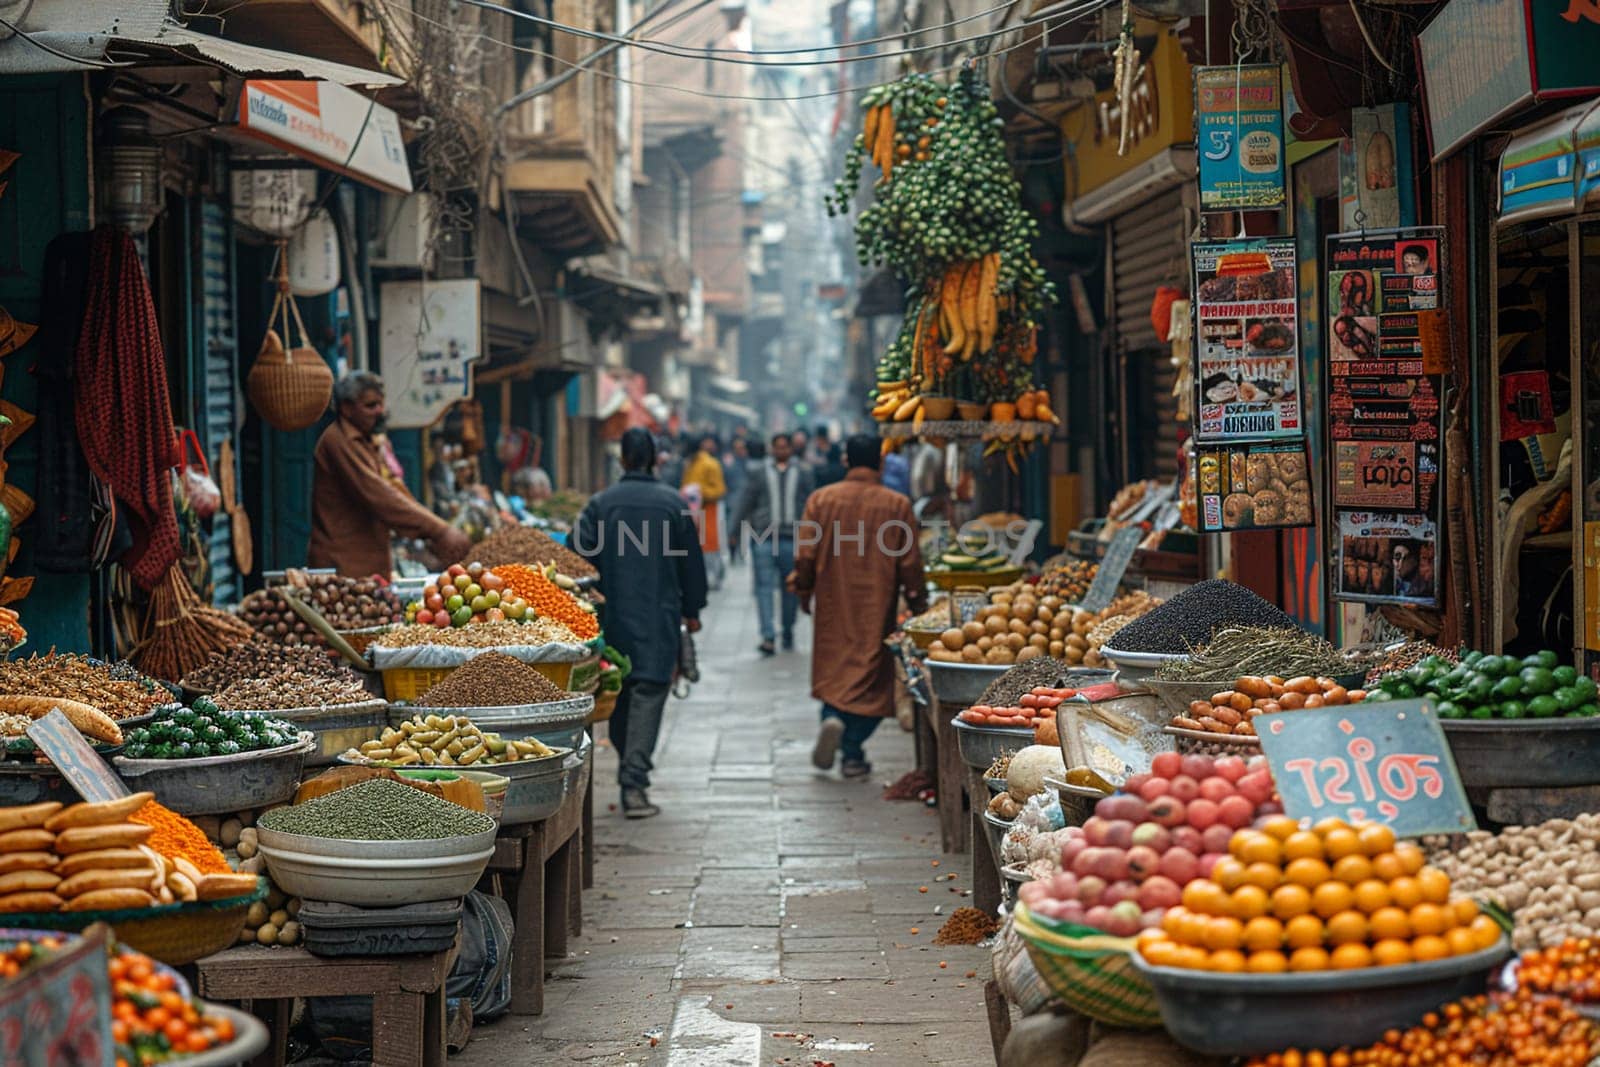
[
  {"x": 1568, "y": 698},
  {"x": 1472, "y": 657},
  {"x": 1543, "y": 707},
  {"x": 1507, "y": 688},
  {"x": 1588, "y": 711},
  {"x": 1586, "y": 686},
  {"x": 1565, "y": 675},
  {"x": 1404, "y": 690},
  {"x": 1512, "y": 709},
  {"x": 1538, "y": 680},
  {"x": 1481, "y": 689},
  {"x": 1377, "y": 696},
  {"x": 1490, "y": 666},
  {"x": 1447, "y": 710},
  {"x": 1481, "y": 713},
  {"x": 1546, "y": 659}
]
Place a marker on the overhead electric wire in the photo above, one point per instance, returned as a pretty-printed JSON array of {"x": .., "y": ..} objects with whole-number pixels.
[{"x": 683, "y": 52}]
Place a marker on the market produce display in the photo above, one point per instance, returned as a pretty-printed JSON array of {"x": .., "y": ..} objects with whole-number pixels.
[
  {"x": 1262, "y": 650},
  {"x": 1092, "y": 630},
  {"x": 529, "y": 544},
  {"x": 1070, "y": 581},
  {"x": 1406, "y": 656},
  {"x": 177, "y": 838},
  {"x": 1008, "y": 690},
  {"x": 1334, "y": 897},
  {"x": 547, "y": 595},
  {"x": 281, "y": 692},
  {"x": 948, "y": 218},
  {"x": 1233, "y": 711},
  {"x": 152, "y": 1022},
  {"x": 1015, "y": 626},
  {"x": 96, "y": 857},
  {"x": 1035, "y": 705},
  {"x": 935, "y": 620},
  {"x": 377, "y": 810},
  {"x": 492, "y": 680},
  {"x": 447, "y": 741},
  {"x": 1026, "y": 771},
  {"x": 1482, "y": 686},
  {"x": 1546, "y": 876},
  {"x": 347, "y": 603},
  {"x": 18, "y": 712},
  {"x": 206, "y": 730},
  {"x": 1498, "y": 1030},
  {"x": 1132, "y": 864},
  {"x": 1570, "y": 970},
  {"x": 260, "y": 658},
  {"x": 463, "y": 595},
  {"x": 480, "y": 635},
  {"x": 117, "y": 689},
  {"x": 273, "y": 921},
  {"x": 1189, "y": 620},
  {"x": 269, "y": 614},
  {"x": 970, "y": 554}
]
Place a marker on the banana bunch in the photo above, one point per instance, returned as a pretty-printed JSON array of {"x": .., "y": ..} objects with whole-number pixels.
[{"x": 897, "y": 404}]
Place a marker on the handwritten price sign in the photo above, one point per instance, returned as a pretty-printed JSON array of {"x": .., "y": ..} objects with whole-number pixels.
[{"x": 1387, "y": 763}]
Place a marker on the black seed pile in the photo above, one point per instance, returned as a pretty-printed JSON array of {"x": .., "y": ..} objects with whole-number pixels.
[{"x": 1188, "y": 619}]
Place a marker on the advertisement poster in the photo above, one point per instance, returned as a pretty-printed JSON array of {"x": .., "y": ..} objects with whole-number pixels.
[
  {"x": 1254, "y": 487},
  {"x": 1239, "y": 112},
  {"x": 431, "y": 337},
  {"x": 1246, "y": 346},
  {"x": 1383, "y": 399},
  {"x": 1375, "y": 169},
  {"x": 1387, "y": 557}
]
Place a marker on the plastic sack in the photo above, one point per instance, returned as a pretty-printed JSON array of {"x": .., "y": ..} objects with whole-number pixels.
[
  {"x": 194, "y": 480},
  {"x": 435, "y": 656}
]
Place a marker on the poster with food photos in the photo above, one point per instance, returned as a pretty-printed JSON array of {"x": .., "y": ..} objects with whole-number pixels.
[
  {"x": 1387, "y": 557},
  {"x": 1384, "y": 410},
  {"x": 1253, "y": 486},
  {"x": 1247, "y": 340}
]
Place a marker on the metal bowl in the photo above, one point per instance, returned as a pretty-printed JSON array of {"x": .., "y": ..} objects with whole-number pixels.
[
  {"x": 558, "y": 723},
  {"x": 1139, "y": 667},
  {"x": 982, "y": 745},
  {"x": 996, "y": 830},
  {"x": 1512, "y": 753},
  {"x": 1177, "y": 696},
  {"x": 1253, "y": 1014},
  {"x": 213, "y": 785},
  {"x": 537, "y": 786},
  {"x": 1077, "y": 801},
  {"x": 442, "y": 848},
  {"x": 961, "y": 684},
  {"x": 337, "y": 726}
]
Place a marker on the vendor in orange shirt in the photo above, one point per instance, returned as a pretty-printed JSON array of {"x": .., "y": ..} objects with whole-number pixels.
[{"x": 357, "y": 499}]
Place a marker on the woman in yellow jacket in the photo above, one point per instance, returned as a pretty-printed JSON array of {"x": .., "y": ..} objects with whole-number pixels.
[{"x": 704, "y": 470}]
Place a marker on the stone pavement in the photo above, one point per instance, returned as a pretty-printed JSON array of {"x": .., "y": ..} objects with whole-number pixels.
[{"x": 771, "y": 914}]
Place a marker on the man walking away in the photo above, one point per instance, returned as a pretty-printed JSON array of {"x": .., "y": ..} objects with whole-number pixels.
[
  {"x": 857, "y": 554},
  {"x": 773, "y": 500},
  {"x": 735, "y": 472},
  {"x": 640, "y": 538},
  {"x": 705, "y": 471}
]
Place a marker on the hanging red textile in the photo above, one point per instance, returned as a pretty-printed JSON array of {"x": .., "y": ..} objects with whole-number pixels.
[{"x": 124, "y": 417}]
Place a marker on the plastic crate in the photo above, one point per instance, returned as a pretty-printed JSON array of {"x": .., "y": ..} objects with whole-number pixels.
[
  {"x": 343, "y": 930},
  {"x": 409, "y": 683}
]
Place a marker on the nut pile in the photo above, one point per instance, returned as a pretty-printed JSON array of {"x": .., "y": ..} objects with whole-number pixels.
[
  {"x": 1070, "y": 581},
  {"x": 269, "y": 614},
  {"x": 348, "y": 603},
  {"x": 1008, "y": 690},
  {"x": 288, "y": 689},
  {"x": 527, "y": 544},
  {"x": 258, "y": 658},
  {"x": 450, "y": 741},
  {"x": 116, "y": 689},
  {"x": 492, "y": 680},
  {"x": 480, "y": 635}
]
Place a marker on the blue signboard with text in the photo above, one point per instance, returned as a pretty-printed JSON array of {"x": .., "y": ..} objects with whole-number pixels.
[{"x": 1239, "y": 127}]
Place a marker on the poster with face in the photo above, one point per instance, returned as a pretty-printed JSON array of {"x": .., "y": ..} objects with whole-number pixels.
[{"x": 1387, "y": 558}]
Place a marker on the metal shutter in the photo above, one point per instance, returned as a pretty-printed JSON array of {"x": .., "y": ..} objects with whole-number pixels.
[
  {"x": 1150, "y": 248},
  {"x": 218, "y": 392}
]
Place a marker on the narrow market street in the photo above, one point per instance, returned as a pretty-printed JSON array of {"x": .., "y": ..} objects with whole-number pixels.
[{"x": 771, "y": 914}]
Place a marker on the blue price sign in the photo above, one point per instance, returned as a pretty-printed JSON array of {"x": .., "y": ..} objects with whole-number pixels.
[
  {"x": 1387, "y": 763},
  {"x": 1239, "y": 117}
]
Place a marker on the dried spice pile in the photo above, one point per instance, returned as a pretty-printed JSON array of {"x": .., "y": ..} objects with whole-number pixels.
[
  {"x": 258, "y": 658},
  {"x": 966, "y": 926},
  {"x": 480, "y": 635},
  {"x": 527, "y": 544},
  {"x": 116, "y": 689},
  {"x": 492, "y": 680},
  {"x": 1019, "y": 681},
  {"x": 1188, "y": 620},
  {"x": 281, "y": 692}
]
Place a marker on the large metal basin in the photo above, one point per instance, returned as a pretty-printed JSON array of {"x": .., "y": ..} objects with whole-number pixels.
[
  {"x": 213, "y": 785},
  {"x": 959, "y": 685},
  {"x": 1512, "y": 753}
]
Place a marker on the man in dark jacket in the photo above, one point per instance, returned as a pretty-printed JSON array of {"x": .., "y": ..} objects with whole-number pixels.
[
  {"x": 773, "y": 500},
  {"x": 639, "y": 536}
]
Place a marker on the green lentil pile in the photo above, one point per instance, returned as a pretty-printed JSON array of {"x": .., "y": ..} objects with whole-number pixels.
[{"x": 378, "y": 810}]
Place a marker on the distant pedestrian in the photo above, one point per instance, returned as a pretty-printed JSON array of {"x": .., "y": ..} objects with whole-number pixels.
[
  {"x": 831, "y": 470},
  {"x": 639, "y": 537},
  {"x": 765, "y": 515},
  {"x": 897, "y": 473},
  {"x": 800, "y": 445},
  {"x": 704, "y": 470},
  {"x": 735, "y": 472},
  {"x": 857, "y": 555}
]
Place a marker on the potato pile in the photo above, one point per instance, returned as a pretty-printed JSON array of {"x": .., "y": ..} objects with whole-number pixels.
[
  {"x": 1017, "y": 625},
  {"x": 1547, "y": 876}
]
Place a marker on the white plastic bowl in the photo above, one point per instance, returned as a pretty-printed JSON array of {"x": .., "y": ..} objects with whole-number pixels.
[{"x": 377, "y": 881}]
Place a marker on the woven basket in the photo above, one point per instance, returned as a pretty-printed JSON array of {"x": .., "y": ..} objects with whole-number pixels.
[
  {"x": 290, "y": 389},
  {"x": 174, "y": 934},
  {"x": 1091, "y": 972}
]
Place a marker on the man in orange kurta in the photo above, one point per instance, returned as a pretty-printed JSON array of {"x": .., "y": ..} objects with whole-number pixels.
[{"x": 856, "y": 554}]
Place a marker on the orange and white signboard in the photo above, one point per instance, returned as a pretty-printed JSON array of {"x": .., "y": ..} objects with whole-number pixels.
[{"x": 331, "y": 125}]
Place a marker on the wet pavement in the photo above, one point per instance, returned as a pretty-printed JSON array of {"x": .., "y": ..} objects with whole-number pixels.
[{"x": 772, "y": 914}]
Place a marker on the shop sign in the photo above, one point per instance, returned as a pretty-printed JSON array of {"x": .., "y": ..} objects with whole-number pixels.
[
  {"x": 1553, "y": 168},
  {"x": 432, "y": 334},
  {"x": 1375, "y": 181},
  {"x": 336, "y": 127},
  {"x": 1389, "y": 763},
  {"x": 1159, "y": 116},
  {"x": 60, "y": 1012},
  {"x": 1264, "y": 486},
  {"x": 1239, "y": 119},
  {"x": 1246, "y": 341},
  {"x": 1484, "y": 59},
  {"x": 1387, "y": 557}
]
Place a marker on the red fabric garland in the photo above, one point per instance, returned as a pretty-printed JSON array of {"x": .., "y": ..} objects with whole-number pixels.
[{"x": 124, "y": 415}]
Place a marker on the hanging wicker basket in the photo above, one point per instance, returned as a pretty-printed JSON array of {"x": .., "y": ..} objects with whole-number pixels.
[{"x": 290, "y": 388}]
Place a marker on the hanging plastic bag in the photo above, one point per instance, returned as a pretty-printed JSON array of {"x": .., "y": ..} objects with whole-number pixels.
[{"x": 194, "y": 479}]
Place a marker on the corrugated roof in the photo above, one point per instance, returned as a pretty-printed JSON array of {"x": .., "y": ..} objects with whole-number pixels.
[{"x": 250, "y": 59}]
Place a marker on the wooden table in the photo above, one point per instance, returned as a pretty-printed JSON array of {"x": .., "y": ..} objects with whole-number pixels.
[
  {"x": 937, "y": 738},
  {"x": 541, "y": 867},
  {"x": 986, "y": 878},
  {"x": 408, "y": 1019}
]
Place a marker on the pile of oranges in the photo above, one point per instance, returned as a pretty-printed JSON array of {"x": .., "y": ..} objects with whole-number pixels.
[
  {"x": 1504, "y": 1030},
  {"x": 548, "y": 600},
  {"x": 1334, "y": 897},
  {"x": 1570, "y": 969}
]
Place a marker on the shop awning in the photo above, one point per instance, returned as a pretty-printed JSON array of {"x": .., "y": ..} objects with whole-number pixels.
[
  {"x": 728, "y": 407},
  {"x": 1552, "y": 168},
  {"x": 335, "y": 127}
]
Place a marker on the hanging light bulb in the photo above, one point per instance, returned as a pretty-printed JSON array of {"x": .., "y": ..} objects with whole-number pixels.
[{"x": 129, "y": 179}]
